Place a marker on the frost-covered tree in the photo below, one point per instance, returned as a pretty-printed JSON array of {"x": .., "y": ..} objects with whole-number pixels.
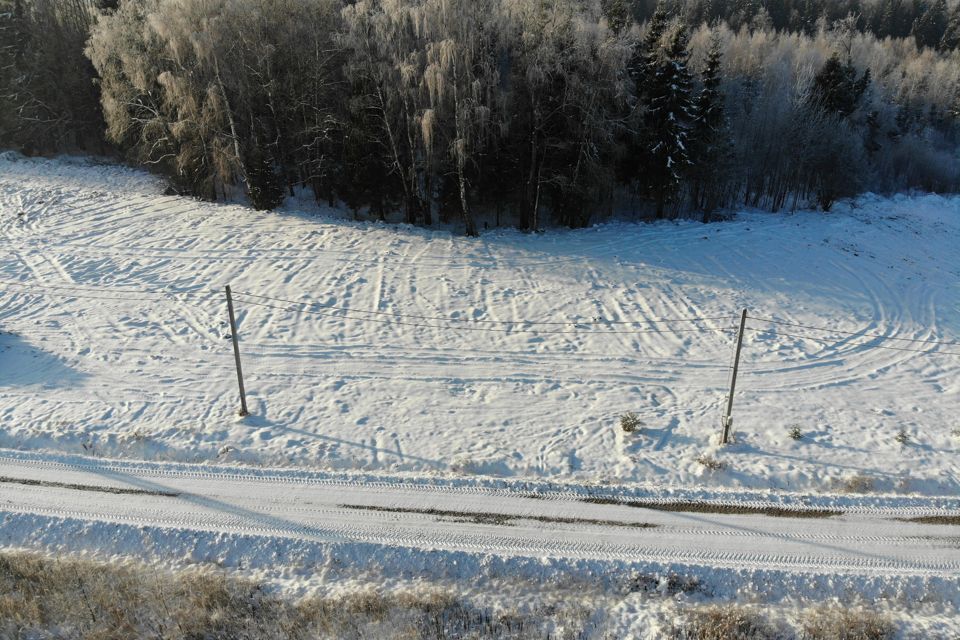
[{"x": 526, "y": 110}]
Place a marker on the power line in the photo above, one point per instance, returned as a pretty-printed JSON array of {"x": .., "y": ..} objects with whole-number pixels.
[
  {"x": 855, "y": 333},
  {"x": 487, "y": 329},
  {"x": 862, "y": 344},
  {"x": 56, "y": 294},
  {"x": 481, "y": 321},
  {"x": 105, "y": 290}
]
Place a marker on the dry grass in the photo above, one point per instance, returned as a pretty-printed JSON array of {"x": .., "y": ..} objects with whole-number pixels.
[
  {"x": 857, "y": 484},
  {"x": 81, "y": 599},
  {"x": 725, "y": 623},
  {"x": 738, "y": 622},
  {"x": 847, "y": 624},
  {"x": 710, "y": 463}
]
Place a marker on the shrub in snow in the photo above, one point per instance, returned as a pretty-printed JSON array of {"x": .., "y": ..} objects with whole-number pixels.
[
  {"x": 630, "y": 422},
  {"x": 796, "y": 433}
]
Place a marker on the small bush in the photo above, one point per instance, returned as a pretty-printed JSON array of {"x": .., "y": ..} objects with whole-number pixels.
[
  {"x": 710, "y": 463},
  {"x": 902, "y": 437},
  {"x": 847, "y": 624},
  {"x": 630, "y": 422},
  {"x": 795, "y": 432}
]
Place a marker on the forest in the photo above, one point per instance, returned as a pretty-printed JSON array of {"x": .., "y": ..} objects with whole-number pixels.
[{"x": 496, "y": 112}]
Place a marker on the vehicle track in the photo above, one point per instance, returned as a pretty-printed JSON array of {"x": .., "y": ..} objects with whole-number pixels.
[{"x": 313, "y": 511}]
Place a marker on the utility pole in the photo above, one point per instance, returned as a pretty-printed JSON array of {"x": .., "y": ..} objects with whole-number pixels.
[
  {"x": 728, "y": 416},
  {"x": 236, "y": 354}
]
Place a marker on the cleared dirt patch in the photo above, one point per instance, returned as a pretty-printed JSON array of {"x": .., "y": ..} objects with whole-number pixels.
[
  {"x": 951, "y": 520},
  {"x": 501, "y": 519},
  {"x": 725, "y": 509},
  {"x": 88, "y": 487}
]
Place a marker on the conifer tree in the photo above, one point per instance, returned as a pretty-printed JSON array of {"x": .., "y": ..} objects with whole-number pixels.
[
  {"x": 709, "y": 136},
  {"x": 951, "y": 35},
  {"x": 645, "y": 59},
  {"x": 836, "y": 87},
  {"x": 640, "y": 69},
  {"x": 667, "y": 122},
  {"x": 618, "y": 15},
  {"x": 929, "y": 28}
]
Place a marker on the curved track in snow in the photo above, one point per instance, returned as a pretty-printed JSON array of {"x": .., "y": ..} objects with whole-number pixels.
[{"x": 115, "y": 340}]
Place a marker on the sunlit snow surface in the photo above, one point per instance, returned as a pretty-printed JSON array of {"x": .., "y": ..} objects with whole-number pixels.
[{"x": 115, "y": 342}]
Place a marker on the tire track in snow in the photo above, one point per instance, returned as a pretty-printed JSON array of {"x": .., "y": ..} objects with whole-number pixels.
[{"x": 245, "y": 510}]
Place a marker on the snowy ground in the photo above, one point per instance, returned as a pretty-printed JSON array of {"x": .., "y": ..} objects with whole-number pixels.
[{"x": 115, "y": 341}]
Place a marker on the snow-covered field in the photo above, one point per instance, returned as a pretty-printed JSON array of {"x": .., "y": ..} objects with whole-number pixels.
[{"x": 421, "y": 353}]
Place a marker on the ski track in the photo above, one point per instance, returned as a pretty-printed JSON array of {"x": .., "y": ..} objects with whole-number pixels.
[{"x": 152, "y": 378}]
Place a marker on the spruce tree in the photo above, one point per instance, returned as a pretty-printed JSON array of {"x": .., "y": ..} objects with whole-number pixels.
[
  {"x": 837, "y": 89},
  {"x": 929, "y": 28},
  {"x": 618, "y": 15},
  {"x": 646, "y": 51},
  {"x": 709, "y": 136},
  {"x": 667, "y": 122},
  {"x": 951, "y": 35},
  {"x": 640, "y": 69}
]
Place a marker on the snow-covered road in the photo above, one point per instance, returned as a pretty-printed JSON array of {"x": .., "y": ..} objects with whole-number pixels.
[{"x": 447, "y": 517}]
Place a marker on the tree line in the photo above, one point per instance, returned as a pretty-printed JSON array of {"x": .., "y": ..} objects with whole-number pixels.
[
  {"x": 506, "y": 111},
  {"x": 931, "y": 23}
]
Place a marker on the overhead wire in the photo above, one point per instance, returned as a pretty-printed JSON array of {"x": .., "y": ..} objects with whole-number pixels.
[
  {"x": 57, "y": 294},
  {"x": 466, "y": 328},
  {"x": 104, "y": 290},
  {"x": 869, "y": 346},
  {"x": 855, "y": 333},
  {"x": 480, "y": 320}
]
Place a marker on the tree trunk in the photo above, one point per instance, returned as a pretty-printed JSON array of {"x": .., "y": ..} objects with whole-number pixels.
[{"x": 233, "y": 125}]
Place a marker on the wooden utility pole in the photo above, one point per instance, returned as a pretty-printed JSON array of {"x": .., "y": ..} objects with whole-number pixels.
[
  {"x": 728, "y": 415},
  {"x": 236, "y": 353}
]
